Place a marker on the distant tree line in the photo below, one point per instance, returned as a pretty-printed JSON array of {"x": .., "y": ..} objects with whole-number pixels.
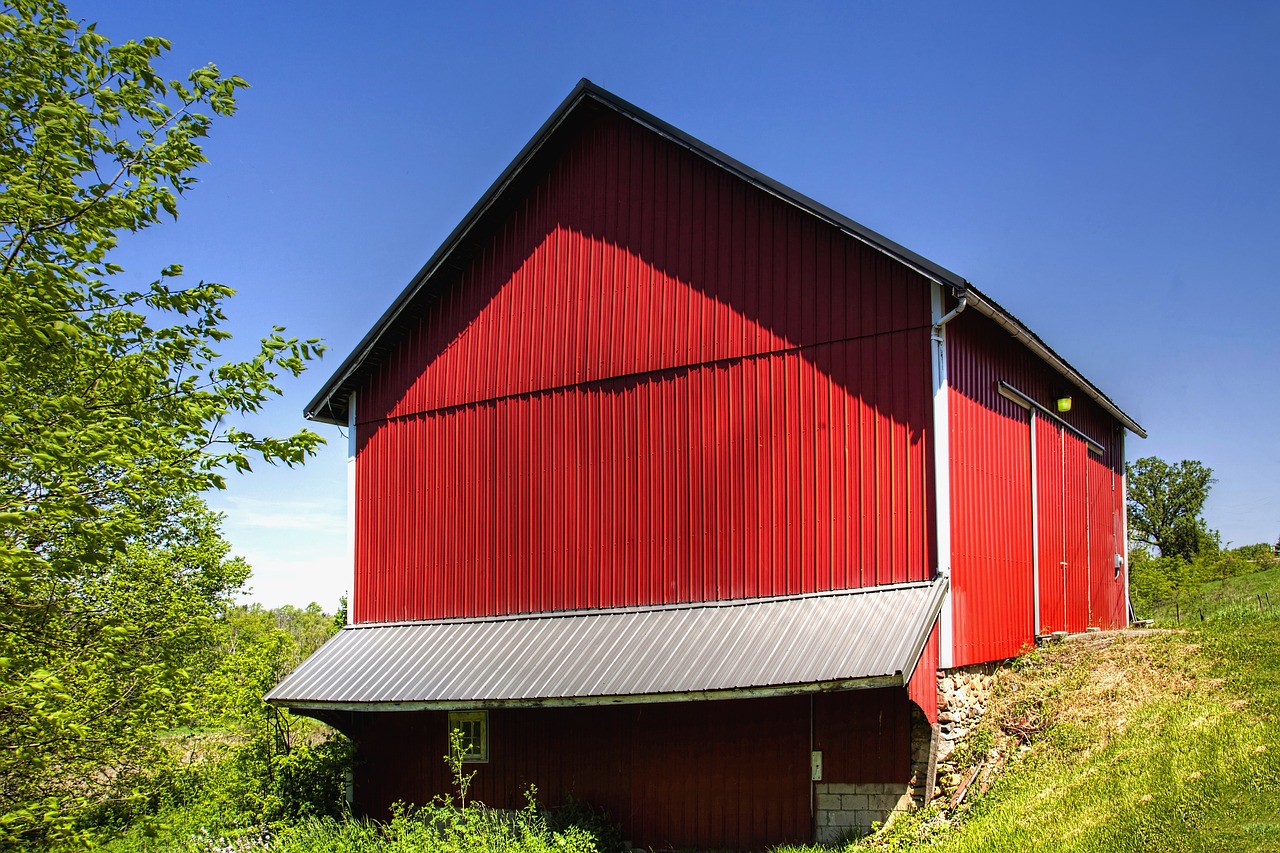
[{"x": 1173, "y": 551}]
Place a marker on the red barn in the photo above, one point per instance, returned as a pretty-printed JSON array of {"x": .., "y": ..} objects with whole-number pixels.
[{"x": 674, "y": 489}]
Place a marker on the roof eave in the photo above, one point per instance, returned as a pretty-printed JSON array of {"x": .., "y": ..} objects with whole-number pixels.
[
  {"x": 896, "y": 679},
  {"x": 329, "y": 405},
  {"x": 870, "y": 637},
  {"x": 1015, "y": 327}
]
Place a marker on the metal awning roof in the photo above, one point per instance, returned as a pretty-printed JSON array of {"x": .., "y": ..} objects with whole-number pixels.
[{"x": 871, "y": 637}]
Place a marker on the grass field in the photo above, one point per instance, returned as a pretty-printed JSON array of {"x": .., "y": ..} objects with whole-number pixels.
[
  {"x": 1257, "y": 591},
  {"x": 1159, "y": 740},
  {"x": 1166, "y": 740}
]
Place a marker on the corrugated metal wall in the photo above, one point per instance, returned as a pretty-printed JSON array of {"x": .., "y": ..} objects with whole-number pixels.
[
  {"x": 923, "y": 687},
  {"x": 1107, "y": 603},
  {"x": 1051, "y": 497},
  {"x": 991, "y": 584},
  {"x": 656, "y": 384},
  {"x": 1077, "y": 496},
  {"x": 1076, "y": 532},
  {"x": 717, "y": 775}
]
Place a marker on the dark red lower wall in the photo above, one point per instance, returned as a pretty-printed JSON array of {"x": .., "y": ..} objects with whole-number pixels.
[
  {"x": 923, "y": 687},
  {"x": 730, "y": 774}
]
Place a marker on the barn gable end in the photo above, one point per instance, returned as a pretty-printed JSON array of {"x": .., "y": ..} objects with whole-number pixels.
[
  {"x": 681, "y": 488},
  {"x": 779, "y": 370}
]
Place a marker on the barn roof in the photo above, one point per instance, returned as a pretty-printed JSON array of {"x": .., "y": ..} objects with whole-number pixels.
[
  {"x": 869, "y": 637},
  {"x": 586, "y": 101}
]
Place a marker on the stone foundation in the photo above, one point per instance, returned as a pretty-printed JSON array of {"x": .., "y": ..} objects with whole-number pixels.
[
  {"x": 962, "y": 702},
  {"x": 844, "y": 810}
]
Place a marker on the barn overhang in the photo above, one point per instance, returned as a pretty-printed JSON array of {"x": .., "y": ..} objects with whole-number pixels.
[{"x": 845, "y": 640}]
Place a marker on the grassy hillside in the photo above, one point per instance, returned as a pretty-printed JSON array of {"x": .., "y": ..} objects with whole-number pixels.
[
  {"x": 1255, "y": 591},
  {"x": 1159, "y": 740},
  {"x": 1165, "y": 740}
]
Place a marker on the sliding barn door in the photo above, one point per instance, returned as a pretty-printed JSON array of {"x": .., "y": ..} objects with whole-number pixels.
[{"x": 1075, "y": 535}]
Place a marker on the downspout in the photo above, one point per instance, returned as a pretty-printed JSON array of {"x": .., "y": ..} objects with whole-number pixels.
[
  {"x": 942, "y": 464},
  {"x": 348, "y": 771},
  {"x": 1035, "y": 529},
  {"x": 949, "y": 316},
  {"x": 352, "y": 444},
  {"x": 1130, "y": 615}
]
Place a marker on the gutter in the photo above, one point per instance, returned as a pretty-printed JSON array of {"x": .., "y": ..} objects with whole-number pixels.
[{"x": 1031, "y": 341}]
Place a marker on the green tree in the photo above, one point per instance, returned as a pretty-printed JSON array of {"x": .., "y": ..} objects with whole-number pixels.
[
  {"x": 116, "y": 413},
  {"x": 85, "y": 694},
  {"x": 1166, "y": 503},
  {"x": 265, "y": 764},
  {"x": 309, "y": 626}
]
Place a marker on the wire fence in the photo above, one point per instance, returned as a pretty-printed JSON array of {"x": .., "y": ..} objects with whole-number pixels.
[{"x": 1200, "y": 608}]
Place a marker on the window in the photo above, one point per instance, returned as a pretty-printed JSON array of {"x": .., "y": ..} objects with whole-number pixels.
[{"x": 474, "y": 726}]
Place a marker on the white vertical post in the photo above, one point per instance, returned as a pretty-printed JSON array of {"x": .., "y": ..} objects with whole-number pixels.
[
  {"x": 942, "y": 474},
  {"x": 351, "y": 506}
]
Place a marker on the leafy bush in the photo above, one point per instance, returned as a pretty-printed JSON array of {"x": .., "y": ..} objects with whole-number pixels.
[
  {"x": 576, "y": 814},
  {"x": 436, "y": 828},
  {"x": 443, "y": 826}
]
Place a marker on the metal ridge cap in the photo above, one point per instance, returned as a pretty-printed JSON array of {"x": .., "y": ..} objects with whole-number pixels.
[
  {"x": 990, "y": 308},
  {"x": 927, "y": 268}
]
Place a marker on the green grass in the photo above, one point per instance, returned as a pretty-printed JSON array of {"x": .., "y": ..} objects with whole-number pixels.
[
  {"x": 1257, "y": 591},
  {"x": 1168, "y": 741}
]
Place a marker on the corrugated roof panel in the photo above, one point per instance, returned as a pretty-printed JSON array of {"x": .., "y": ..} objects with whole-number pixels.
[{"x": 800, "y": 642}]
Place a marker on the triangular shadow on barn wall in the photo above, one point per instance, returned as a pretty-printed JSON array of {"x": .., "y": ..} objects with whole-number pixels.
[{"x": 760, "y": 274}]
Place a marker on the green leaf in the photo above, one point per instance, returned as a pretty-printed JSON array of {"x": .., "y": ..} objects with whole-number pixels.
[{"x": 116, "y": 415}]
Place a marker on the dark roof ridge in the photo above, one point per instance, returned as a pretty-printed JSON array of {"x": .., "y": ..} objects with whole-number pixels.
[{"x": 330, "y": 402}]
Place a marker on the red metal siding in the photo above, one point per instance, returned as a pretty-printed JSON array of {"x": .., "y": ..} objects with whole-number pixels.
[
  {"x": 864, "y": 735},
  {"x": 1080, "y": 534},
  {"x": 991, "y": 584},
  {"x": 759, "y": 476},
  {"x": 991, "y": 500},
  {"x": 700, "y": 775},
  {"x": 1107, "y": 605},
  {"x": 657, "y": 384},
  {"x": 1051, "y": 497},
  {"x": 632, "y": 256},
  {"x": 1076, "y": 532},
  {"x": 923, "y": 687}
]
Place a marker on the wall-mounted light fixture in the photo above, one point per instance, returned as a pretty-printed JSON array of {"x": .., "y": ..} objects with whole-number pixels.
[{"x": 1064, "y": 404}]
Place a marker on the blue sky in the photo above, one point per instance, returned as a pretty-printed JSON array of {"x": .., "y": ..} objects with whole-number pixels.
[{"x": 1107, "y": 172}]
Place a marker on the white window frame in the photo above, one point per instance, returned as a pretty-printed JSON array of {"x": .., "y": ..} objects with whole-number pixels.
[{"x": 475, "y": 728}]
